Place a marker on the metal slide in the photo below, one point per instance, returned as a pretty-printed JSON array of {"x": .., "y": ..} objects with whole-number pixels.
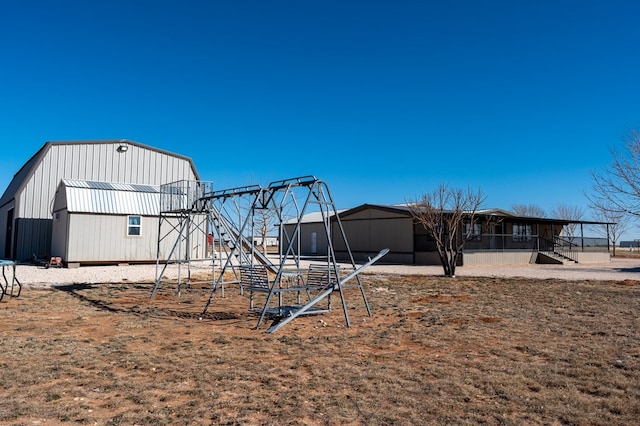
[{"x": 231, "y": 235}]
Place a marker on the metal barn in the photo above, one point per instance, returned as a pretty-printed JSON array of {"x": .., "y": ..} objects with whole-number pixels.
[
  {"x": 26, "y": 206},
  {"x": 370, "y": 226}
]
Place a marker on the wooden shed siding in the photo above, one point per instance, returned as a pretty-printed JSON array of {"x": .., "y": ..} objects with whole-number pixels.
[{"x": 103, "y": 239}]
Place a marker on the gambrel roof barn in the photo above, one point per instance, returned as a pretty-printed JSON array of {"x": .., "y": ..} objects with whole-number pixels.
[{"x": 26, "y": 205}]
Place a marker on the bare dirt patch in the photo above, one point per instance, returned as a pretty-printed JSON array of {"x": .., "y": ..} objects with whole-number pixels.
[{"x": 468, "y": 350}]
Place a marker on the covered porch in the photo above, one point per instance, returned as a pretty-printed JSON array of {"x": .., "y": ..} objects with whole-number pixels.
[{"x": 531, "y": 240}]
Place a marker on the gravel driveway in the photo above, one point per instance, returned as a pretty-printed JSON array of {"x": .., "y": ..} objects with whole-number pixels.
[{"x": 618, "y": 269}]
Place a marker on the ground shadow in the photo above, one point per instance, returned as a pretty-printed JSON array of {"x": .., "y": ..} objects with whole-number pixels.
[
  {"x": 88, "y": 293},
  {"x": 634, "y": 269}
]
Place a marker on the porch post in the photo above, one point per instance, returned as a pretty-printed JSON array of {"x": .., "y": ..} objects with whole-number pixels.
[{"x": 582, "y": 236}]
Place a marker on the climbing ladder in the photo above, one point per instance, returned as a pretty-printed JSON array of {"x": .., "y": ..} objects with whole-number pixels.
[{"x": 182, "y": 225}]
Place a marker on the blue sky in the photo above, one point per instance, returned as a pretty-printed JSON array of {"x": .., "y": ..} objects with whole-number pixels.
[{"x": 383, "y": 100}]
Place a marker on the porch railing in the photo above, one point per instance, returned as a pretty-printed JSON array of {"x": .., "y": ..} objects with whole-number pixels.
[
  {"x": 559, "y": 247},
  {"x": 513, "y": 242}
]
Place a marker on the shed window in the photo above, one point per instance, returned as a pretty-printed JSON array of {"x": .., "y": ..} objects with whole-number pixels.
[{"x": 133, "y": 226}]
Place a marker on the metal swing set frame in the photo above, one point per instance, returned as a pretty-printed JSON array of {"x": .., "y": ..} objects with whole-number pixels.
[{"x": 229, "y": 218}]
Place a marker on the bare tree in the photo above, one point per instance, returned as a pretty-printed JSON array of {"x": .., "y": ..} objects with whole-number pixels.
[
  {"x": 618, "y": 222},
  {"x": 618, "y": 186},
  {"x": 568, "y": 212},
  {"x": 528, "y": 210},
  {"x": 263, "y": 222},
  {"x": 442, "y": 213}
]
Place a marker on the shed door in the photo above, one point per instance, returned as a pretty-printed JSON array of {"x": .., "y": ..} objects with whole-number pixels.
[{"x": 8, "y": 235}]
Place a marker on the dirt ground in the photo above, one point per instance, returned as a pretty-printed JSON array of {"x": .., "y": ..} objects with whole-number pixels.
[{"x": 467, "y": 351}]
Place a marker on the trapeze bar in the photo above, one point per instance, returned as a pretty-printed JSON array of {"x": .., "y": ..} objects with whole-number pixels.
[{"x": 298, "y": 181}]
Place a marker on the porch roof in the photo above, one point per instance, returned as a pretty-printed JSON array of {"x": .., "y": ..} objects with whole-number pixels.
[{"x": 492, "y": 212}]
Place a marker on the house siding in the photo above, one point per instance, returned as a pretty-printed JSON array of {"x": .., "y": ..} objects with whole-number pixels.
[
  {"x": 368, "y": 236},
  {"x": 371, "y": 229},
  {"x": 499, "y": 258}
]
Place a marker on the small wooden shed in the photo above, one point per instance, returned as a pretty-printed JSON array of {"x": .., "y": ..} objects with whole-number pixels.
[{"x": 104, "y": 222}]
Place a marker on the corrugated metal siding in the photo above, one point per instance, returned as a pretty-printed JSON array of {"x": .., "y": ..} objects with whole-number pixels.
[
  {"x": 109, "y": 198},
  {"x": 87, "y": 160},
  {"x": 306, "y": 230},
  {"x": 373, "y": 235},
  {"x": 4, "y": 215},
  {"x": 109, "y": 186},
  {"x": 97, "y": 162},
  {"x": 35, "y": 234}
]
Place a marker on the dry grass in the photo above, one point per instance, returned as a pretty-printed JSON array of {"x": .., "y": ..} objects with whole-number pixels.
[{"x": 459, "y": 351}]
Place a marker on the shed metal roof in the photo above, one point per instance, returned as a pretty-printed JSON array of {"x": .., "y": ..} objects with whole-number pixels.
[{"x": 111, "y": 198}]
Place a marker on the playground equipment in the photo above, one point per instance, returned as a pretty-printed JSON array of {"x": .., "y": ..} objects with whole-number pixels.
[{"x": 234, "y": 219}]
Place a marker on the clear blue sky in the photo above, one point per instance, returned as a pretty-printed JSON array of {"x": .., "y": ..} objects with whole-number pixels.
[{"x": 383, "y": 100}]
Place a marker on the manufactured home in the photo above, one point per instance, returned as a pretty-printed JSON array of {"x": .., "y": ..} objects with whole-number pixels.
[
  {"x": 498, "y": 237},
  {"x": 26, "y": 216}
]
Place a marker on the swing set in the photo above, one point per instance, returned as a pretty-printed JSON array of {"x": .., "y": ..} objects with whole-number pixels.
[{"x": 233, "y": 220}]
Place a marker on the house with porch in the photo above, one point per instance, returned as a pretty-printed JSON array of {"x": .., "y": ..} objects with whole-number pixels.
[{"x": 497, "y": 237}]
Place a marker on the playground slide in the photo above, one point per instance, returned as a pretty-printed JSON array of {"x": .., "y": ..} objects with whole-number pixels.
[{"x": 230, "y": 233}]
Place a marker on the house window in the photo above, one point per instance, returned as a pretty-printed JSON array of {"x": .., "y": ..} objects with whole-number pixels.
[
  {"x": 473, "y": 231},
  {"x": 522, "y": 232},
  {"x": 133, "y": 226}
]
